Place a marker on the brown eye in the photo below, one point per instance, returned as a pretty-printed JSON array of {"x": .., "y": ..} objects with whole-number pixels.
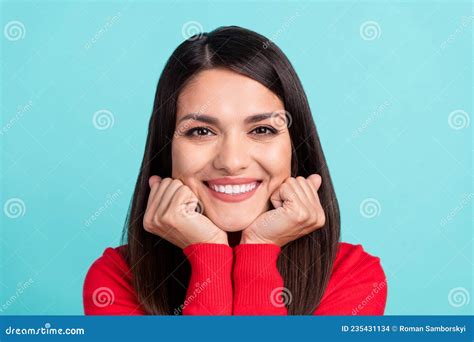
[
  {"x": 264, "y": 130},
  {"x": 201, "y": 131}
]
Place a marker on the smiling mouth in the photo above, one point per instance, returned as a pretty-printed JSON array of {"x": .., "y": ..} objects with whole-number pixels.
[{"x": 233, "y": 189}]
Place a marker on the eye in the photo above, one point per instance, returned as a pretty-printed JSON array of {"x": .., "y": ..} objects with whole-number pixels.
[
  {"x": 263, "y": 129},
  {"x": 204, "y": 131},
  {"x": 201, "y": 131}
]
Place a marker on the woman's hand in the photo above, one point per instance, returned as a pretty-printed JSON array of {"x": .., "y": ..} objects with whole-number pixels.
[
  {"x": 297, "y": 212},
  {"x": 171, "y": 214}
]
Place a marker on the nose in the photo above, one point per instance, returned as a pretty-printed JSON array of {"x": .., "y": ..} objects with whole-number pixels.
[{"x": 233, "y": 154}]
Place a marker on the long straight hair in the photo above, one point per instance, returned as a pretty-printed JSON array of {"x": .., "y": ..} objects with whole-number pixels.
[{"x": 159, "y": 268}]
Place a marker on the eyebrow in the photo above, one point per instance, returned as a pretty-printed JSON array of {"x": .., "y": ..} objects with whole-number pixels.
[{"x": 212, "y": 120}]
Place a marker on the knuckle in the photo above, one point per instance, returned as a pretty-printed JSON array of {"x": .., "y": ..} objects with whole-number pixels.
[
  {"x": 167, "y": 219},
  {"x": 176, "y": 182},
  {"x": 184, "y": 188},
  {"x": 166, "y": 180},
  {"x": 303, "y": 216},
  {"x": 321, "y": 218},
  {"x": 314, "y": 218},
  {"x": 156, "y": 221},
  {"x": 147, "y": 223},
  {"x": 286, "y": 187}
]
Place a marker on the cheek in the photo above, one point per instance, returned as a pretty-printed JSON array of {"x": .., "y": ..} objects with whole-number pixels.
[
  {"x": 276, "y": 159},
  {"x": 179, "y": 153},
  {"x": 188, "y": 161}
]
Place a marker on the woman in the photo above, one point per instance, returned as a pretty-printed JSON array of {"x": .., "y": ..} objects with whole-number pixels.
[{"x": 234, "y": 211}]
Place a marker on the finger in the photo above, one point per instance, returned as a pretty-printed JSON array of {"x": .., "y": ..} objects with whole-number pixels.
[
  {"x": 150, "y": 206},
  {"x": 156, "y": 201},
  {"x": 154, "y": 189},
  {"x": 184, "y": 195},
  {"x": 315, "y": 181},
  {"x": 276, "y": 199},
  {"x": 286, "y": 192},
  {"x": 320, "y": 213},
  {"x": 153, "y": 180},
  {"x": 304, "y": 184},
  {"x": 154, "y": 183},
  {"x": 297, "y": 192},
  {"x": 306, "y": 201},
  {"x": 168, "y": 195}
]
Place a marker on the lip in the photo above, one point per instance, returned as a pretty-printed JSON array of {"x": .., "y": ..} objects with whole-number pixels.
[
  {"x": 231, "y": 181},
  {"x": 233, "y": 198}
]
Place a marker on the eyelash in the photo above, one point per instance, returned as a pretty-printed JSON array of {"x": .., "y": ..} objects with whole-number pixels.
[{"x": 190, "y": 132}]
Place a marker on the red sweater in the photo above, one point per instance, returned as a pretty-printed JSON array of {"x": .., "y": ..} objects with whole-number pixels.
[{"x": 240, "y": 281}]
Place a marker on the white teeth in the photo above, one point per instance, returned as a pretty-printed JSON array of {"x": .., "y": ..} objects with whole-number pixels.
[{"x": 234, "y": 189}]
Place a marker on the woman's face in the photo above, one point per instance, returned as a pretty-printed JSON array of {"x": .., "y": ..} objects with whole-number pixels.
[{"x": 216, "y": 146}]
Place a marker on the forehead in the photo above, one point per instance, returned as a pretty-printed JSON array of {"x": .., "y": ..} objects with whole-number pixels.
[{"x": 227, "y": 94}]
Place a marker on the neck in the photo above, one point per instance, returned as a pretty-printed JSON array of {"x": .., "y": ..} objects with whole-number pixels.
[{"x": 234, "y": 238}]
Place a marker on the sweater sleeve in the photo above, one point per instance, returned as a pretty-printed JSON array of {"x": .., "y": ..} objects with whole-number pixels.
[
  {"x": 108, "y": 289},
  {"x": 258, "y": 285},
  {"x": 209, "y": 291},
  {"x": 357, "y": 285}
]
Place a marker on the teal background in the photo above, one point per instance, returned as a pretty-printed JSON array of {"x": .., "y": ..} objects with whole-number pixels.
[{"x": 381, "y": 106}]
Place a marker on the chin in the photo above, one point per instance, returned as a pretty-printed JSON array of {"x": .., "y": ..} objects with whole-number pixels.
[{"x": 231, "y": 225}]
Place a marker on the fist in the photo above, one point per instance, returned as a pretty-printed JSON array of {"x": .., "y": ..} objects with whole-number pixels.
[
  {"x": 297, "y": 212},
  {"x": 171, "y": 214}
]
